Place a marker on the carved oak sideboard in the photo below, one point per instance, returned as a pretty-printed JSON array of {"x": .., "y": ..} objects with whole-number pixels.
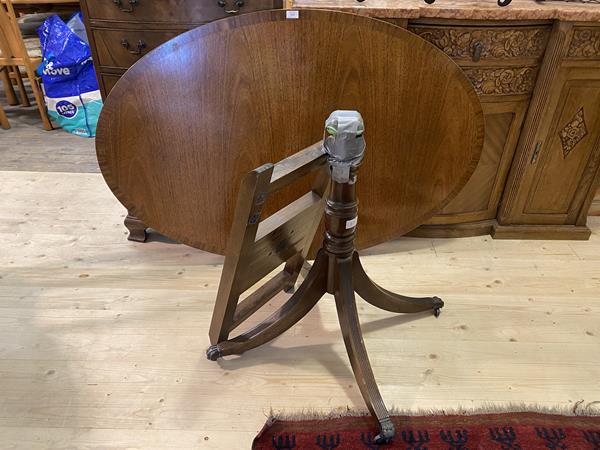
[
  {"x": 536, "y": 68},
  {"x": 539, "y": 84},
  {"x": 122, "y": 31}
]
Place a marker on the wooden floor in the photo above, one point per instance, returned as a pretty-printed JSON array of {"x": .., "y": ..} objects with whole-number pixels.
[
  {"x": 25, "y": 146},
  {"x": 102, "y": 340}
]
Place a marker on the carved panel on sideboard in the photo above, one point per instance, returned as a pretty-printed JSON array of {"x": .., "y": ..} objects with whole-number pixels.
[
  {"x": 573, "y": 132},
  {"x": 482, "y": 42},
  {"x": 502, "y": 80},
  {"x": 585, "y": 43}
]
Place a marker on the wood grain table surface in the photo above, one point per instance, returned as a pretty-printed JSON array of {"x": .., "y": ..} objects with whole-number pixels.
[{"x": 186, "y": 122}]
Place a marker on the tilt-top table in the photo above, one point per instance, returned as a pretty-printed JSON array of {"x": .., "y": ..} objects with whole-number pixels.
[{"x": 184, "y": 128}]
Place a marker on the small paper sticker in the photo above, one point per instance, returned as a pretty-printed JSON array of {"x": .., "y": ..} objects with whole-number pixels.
[
  {"x": 351, "y": 223},
  {"x": 292, "y": 14}
]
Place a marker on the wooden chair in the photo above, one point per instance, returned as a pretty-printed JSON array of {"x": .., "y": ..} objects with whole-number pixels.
[
  {"x": 13, "y": 55},
  {"x": 5, "y": 76},
  {"x": 3, "y": 119}
]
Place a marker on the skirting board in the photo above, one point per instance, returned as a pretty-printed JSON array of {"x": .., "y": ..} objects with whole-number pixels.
[
  {"x": 454, "y": 230},
  {"x": 497, "y": 231},
  {"x": 555, "y": 232},
  {"x": 595, "y": 207}
]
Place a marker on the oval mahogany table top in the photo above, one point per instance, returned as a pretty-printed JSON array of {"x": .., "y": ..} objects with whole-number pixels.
[{"x": 185, "y": 123}]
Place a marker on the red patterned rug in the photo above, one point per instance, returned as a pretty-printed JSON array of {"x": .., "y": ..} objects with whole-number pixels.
[{"x": 506, "y": 431}]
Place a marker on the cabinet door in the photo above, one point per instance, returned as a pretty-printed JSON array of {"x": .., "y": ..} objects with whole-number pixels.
[
  {"x": 502, "y": 62},
  {"x": 557, "y": 180},
  {"x": 479, "y": 198}
]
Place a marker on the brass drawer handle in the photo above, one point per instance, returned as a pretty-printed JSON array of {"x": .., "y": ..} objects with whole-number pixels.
[
  {"x": 477, "y": 49},
  {"x": 141, "y": 45},
  {"x": 238, "y": 3},
  {"x": 132, "y": 5}
]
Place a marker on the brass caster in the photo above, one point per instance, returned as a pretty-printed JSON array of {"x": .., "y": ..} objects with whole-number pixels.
[
  {"x": 290, "y": 289},
  {"x": 213, "y": 352},
  {"x": 387, "y": 432}
]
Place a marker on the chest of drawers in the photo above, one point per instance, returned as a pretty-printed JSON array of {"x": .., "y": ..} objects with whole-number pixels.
[{"x": 122, "y": 31}]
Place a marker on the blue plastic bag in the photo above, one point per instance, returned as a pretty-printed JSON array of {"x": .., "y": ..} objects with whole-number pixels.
[{"x": 68, "y": 76}]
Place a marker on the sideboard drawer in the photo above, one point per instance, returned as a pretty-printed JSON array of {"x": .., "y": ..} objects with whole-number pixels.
[
  {"x": 173, "y": 11},
  {"x": 500, "y": 81},
  {"x": 108, "y": 81},
  {"x": 122, "y": 48},
  {"x": 470, "y": 44}
]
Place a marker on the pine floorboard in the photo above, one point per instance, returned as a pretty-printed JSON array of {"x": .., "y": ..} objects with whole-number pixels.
[{"x": 102, "y": 340}]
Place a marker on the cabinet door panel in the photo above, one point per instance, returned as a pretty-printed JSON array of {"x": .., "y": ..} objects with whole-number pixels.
[
  {"x": 480, "y": 197},
  {"x": 567, "y": 149},
  {"x": 475, "y": 196},
  {"x": 468, "y": 44}
]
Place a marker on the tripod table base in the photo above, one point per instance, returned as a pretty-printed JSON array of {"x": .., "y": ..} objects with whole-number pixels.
[{"x": 341, "y": 277}]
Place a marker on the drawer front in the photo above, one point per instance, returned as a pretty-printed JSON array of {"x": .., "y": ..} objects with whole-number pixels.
[
  {"x": 108, "y": 81},
  {"x": 473, "y": 44},
  {"x": 122, "y": 48},
  {"x": 173, "y": 11},
  {"x": 498, "y": 81}
]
